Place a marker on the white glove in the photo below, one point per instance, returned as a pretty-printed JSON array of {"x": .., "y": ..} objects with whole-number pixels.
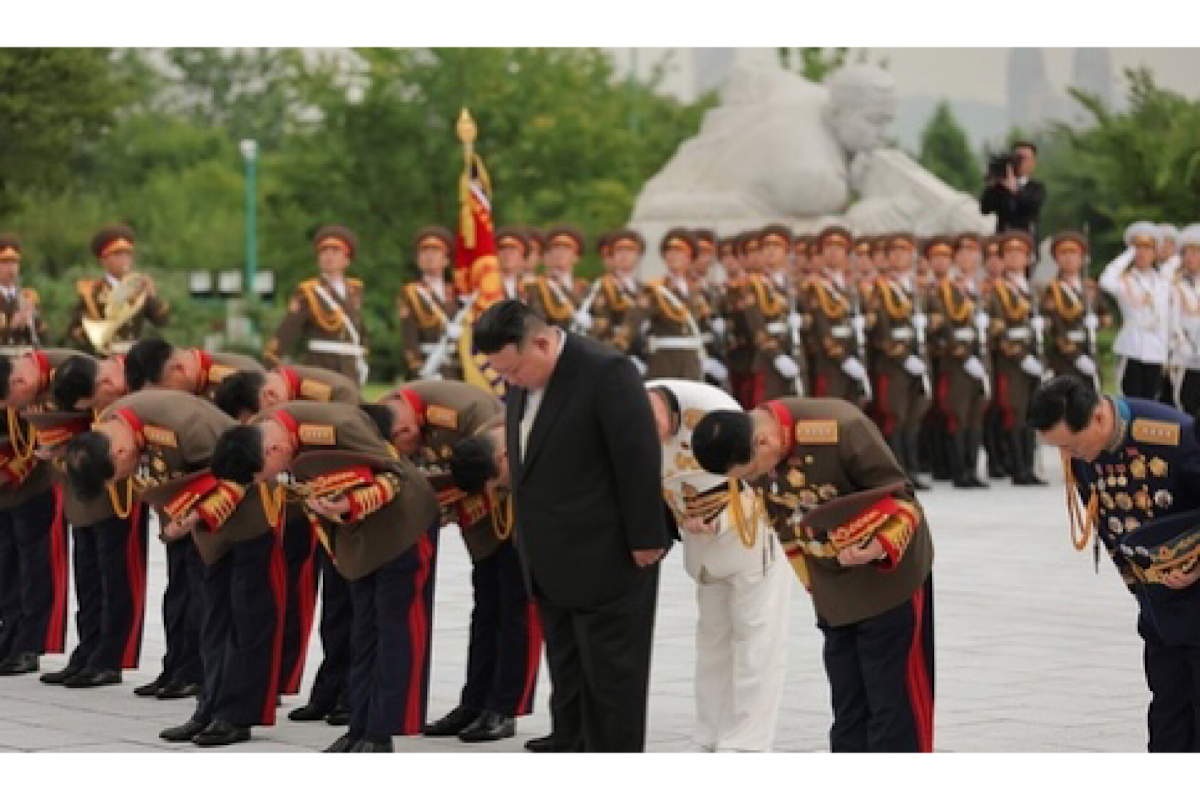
[
  {"x": 583, "y": 319},
  {"x": 914, "y": 366},
  {"x": 981, "y": 319},
  {"x": 453, "y": 331},
  {"x": 1032, "y": 366},
  {"x": 860, "y": 325},
  {"x": 641, "y": 365},
  {"x": 795, "y": 320},
  {"x": 919, "y": 320},
  {"x": 715, "y": 369},
  {"x": 974, "y": 367},
  {"x": 854, "y": 368},
  {"x": 1085, "y": 365},
  {"x": 718, "y": 325},
  {"x": 786, "y": 367},
  {"x": 1038, "y": 323},
  {"x": 1091, "y": 322}
]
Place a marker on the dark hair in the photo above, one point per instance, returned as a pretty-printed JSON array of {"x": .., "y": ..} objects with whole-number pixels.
[
  {"x": 722, "y": 440},
  {"x": 1025, "y": 143},
  {"x": 1065, "y": 398},
  {"x": 5, "y": 375},
  {"x": 145, "y": 361},
  {"x": 74, "y": 380},
  {"x": 382, "y": 416},
  {"x": 473, "y": 463},
  {"x": 239, "y": 392},
  {"x": 238, "y": 455},
  {"x": 507, "y": 322},
  {"x": 89, "y": 464}
]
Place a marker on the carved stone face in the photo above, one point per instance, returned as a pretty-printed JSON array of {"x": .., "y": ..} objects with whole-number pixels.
[{"x": 862, "y": 106}]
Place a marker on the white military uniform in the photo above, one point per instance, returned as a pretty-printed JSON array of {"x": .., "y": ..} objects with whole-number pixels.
[
  {"x": 1185, "y": 330},
  {"x": 742, "y": 591},
  {"x": 1144, "y": 297}
]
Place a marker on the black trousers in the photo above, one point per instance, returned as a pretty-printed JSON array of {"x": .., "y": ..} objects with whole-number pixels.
[
  {"x": 505, "y": 649},
  {"x": 34, "y": 576},
  {"x": 599, "y": 661},
  {"x": 393, "y": 624},
  {"x": 1173, "y": 676},
  {"x": 336, "y": 629},
  {"x": 110, "y": 591},
  {"x": 240, "y": 642},
  {"x": 881, "y": 678},
  {"x": 1189, "y": 394},
  {"x": 299, "y": 552},
  {"x": 183, "y": 613},
  {"x": 1139, "y": 379}
]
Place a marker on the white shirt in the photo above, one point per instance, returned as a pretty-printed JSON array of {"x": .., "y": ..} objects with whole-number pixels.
[
  {"x": 438, "y": 288},
  {"x": 9, "y": 292},
  {"x": 533, "y": 397},
  {"x": 339, "y": 286},
  {"x": 1144, "y": 297}
]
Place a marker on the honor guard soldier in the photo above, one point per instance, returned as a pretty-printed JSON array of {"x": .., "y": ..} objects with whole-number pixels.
[
  {"x": 452, "y": 431},
  {"x": 537, "y": 249},
  {"x": 968, "y": 253},
  {"x": 557, "y": 295},
  {"x": 710, "y": 287},
  {"x": 1143, "y": 296},
  {"x": 1185, "y": 321},
  {"x": 1075, "y": 310},
  {"x": 1134, "y": 465},
  {"x": 743, "y": 585},
  {"x": 34, "y": 566},
  {"x": 241, "y": 396},
  {"x": 838, "y": 355},
  {"x": 903, "y": 389},
  {"x": 1018, "y": 369},
  {"x": 739, "y": 336},
  {"x": 998, "y": 456},
  {"x": 325, "y": 314},
  {"x": 801, "y": 264},
  {"x": 21, "y": 323},
  {"x": 164, "y": 439},
  {"x": 958, "y": 343},
  {"x": 429, "y": 307},
  {"x": 858, "y": 539},
  {"x": 110, "y": 539},
  {"x": 776, "y": 244},
  {"x": 512, "y": 248},
  {"x": 112, "y": 310},
  {"x": 382, "y": 510},
  {"x": 617, "y": 295},
  {"x": 765, "y": 308}
]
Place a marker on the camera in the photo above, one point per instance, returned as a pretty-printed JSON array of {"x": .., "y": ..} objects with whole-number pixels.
[{"x": 999, "y": 165}]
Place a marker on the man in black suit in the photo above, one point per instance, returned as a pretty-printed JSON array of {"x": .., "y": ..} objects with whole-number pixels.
[
  {"x": 1016, "y": 197},
  {"x": 584, "y": 463}
]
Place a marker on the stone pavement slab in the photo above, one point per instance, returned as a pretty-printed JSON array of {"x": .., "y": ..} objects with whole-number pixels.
[{"x": 1035, "y": 653}]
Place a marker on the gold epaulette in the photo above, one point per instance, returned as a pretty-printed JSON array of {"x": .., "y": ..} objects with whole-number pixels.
[{"x": 427, "y": 316}]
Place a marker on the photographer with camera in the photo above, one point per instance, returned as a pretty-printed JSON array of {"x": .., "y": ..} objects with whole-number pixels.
[{"x": 1011, "y": 192}]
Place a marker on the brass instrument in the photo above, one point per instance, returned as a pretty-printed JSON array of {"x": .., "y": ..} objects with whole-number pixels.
[{"x": 124, "y": 304}]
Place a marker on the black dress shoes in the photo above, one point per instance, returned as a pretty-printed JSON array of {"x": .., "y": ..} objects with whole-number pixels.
[
  {"x": 151, "y": 688},
  {"x": 60, "y": 677},
  {"x": 453, "y": 723},
  {"x": 88, "y": 678},
  {"x": 19, "y": 664},
  {"x": 309, "y": 713},
  {"x": 490, "y": 727},
  {"x": 183, "y": 733},
  {"x": 542, "y": 744},
  {"x": 339, "y": 716},
  {"x": 177, "y": 689},
  {"x": 344, "y": 744},
  {"x": 373, "y": 746},
  {"x": 220, "y": 733}
]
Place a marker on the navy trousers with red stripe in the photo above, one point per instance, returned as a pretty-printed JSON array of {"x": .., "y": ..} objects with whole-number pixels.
[
  {"x": 299, "y": 543},
  {"x": 393, "y": 623},
  {"x": 182, "y": 611},
  {"x": 34, "y": 576},
  {"x": 336, "y": 629},
  {"x": 110, "y": 591},
  {"x": 242, "y": 635},
  {"x": 881, "y": 678},
  {"x": 505, "y": 648}
]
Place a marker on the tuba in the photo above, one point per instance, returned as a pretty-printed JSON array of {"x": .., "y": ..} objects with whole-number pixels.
[{"x": 123, "y": 305}]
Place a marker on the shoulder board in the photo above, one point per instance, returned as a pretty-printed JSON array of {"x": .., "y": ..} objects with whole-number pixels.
[
  {"x": 354, "y": 283},
  {"x": 442, "y": 417},
  {"x": 1154, "y": 431},
  {"x": 163, "y": 437},
  {"x": 317, "y": 434},
  {"x": 219, "y": 372},
  {"x": 817, "y": 431},
  {"x": 315, "y": 390}
]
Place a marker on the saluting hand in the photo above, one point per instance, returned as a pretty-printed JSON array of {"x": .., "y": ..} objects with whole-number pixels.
[
  {"x": 865, "y": 553},
  {"x": 646, "y": 558}
]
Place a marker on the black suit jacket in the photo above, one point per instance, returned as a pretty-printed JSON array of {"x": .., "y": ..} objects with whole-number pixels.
[
  {"x": 588, "y": 487},
  {"x": 1017, "y": 211}
]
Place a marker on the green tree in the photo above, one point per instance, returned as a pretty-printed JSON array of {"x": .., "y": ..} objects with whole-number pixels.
[
  {"x": 946, "y": 151},
  {"x": 54, "y": 105}
]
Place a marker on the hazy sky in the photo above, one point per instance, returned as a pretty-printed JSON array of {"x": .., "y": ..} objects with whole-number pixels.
[{"x": 977, "y": 73}]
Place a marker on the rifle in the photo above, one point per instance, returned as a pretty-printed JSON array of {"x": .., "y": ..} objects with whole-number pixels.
[
  {"x": 860, "y": 338},
  {"x": 919, "y": 325},
  {"x": 797, "y": 343},
  {"x": 434, "y": 362},
  {"x": 586, "y": 306}
]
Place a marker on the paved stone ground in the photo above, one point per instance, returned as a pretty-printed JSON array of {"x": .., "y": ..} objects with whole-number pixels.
[{"x": 1035, "y": 653}]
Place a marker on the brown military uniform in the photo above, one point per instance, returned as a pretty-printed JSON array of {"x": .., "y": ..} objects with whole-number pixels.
[
  {"x": 451, "y": 411},
  {"x": 954, "y": 339},
  {"x": 670, "y": 317},
  {"x": 614, "y": 302},
  {"x": 765, "y": 307},
  {"x": 93, "y": 300},
  {"x": 340, "y": 452},
  {"x": 554, "y": 302},
  {"x": 1012, "y": 339},
  {"x": 15, "y": 339},
  {"x": 423, "y": 320},
  {"x": 322, "y": 327},
  {"x": 1064, "y": 306},
  {"x": 216, "y": 367},
  {"x": 320, "y": 385},
  {"x": 831, "y": 311},
  {"x": 832, "y": 450},
  {"x": 900, "y": 397}
]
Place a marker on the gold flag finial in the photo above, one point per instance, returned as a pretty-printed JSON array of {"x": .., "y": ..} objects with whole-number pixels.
[{"x": 466, "y": 128}]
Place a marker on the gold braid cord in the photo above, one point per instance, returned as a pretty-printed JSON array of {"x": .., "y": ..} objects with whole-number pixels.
[
  {"x": 748, "y": 533},
  {"x": 1069, "y": 310},
  {"x": 960, "y": 314},
  {"x": 554, "y": 308},
  {"x": 1013, "y": 309},
  {"x": 676, "y": 312},
  {"x": 897, "y": 307},
  {"x": 833, "y": 307},
  {"x": 502, "y": 515},
  {"x": 329, "y": 320},
  {"x": 114, "y": 494},
  {"x": 22, "y": 445},
  {"x": 274, "y": 503},
  {"x": 1083, "y": 521},
  {"x": 769, "y": 308}
]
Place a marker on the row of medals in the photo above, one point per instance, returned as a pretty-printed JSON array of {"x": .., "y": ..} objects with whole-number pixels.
[{"x": 1112, "y": 476}]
